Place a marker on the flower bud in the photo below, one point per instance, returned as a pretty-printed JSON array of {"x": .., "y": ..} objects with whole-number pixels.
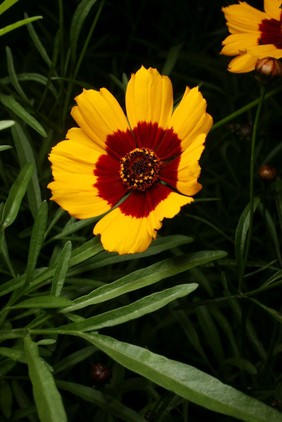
[
  {"x": 268, "y": 69},
  {"x": 100, "y": 374},
  {"x": 267, "y": 172}
]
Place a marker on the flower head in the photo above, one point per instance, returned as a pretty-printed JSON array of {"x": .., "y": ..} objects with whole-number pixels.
[
  {"x": 136, "y": 169},
  {"x": 254, "y": 34}
]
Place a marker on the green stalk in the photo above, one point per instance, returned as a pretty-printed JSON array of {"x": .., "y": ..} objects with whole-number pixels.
[
  {"x": 252, "y": 178},
  {"x": 245, "y": 108}
]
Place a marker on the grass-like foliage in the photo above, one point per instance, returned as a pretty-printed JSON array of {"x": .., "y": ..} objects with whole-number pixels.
[{"x": 190, "y": 329}]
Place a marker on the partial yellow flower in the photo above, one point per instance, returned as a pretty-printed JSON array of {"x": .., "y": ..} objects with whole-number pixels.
[
  {"x": 254, "y": 34},
  {"x": 136, "y": 169}
]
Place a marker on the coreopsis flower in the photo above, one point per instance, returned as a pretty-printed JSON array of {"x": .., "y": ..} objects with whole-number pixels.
[
  {"x": 134, "y": 169},
  {"x": 254, "y": 34}
]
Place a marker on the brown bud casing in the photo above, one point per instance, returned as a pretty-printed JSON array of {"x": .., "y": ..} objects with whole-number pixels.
[
  {"x": 267, "y": 172},
  {"x": 268, "y": 69}
]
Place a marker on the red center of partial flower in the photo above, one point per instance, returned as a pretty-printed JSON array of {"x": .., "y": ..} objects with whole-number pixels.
[
  {"x": 271, "y": 32},
  {"x": 139, "y": 169}
]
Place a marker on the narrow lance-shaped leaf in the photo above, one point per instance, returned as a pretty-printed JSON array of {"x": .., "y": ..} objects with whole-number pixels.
[
  {"x": 62, "y": 266},
  {"x": 16, "y": 195},
  {"x": 13, "y": 105},
  {"x": 36, "y": 240},
  {"x": 6, "y": 4},
  {"x": 13, "y": 75},
  {"x": 47, "y": 398},
  {"x": 4, "y": 124},
  {"x": 158, "y": 245},
  {"x": 241, "y": 234},
  {"x": 145, "y": 277},
  {"x": 78, "y": 20},
  {"x": 107, "y": 403},
  {"x": 134, "y": 310},
  {"x": 43, "y": 301},
  {"x": 185, "y": 381},
  {"x": 26, "y": 155},
  {"x": 18, "y": 24}
]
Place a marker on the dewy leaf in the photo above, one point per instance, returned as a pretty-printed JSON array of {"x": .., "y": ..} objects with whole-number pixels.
[
  {"x": 47, "y": 398},
  {"x": 185, "y": 381},
  {"x": 145, "y": 277},
  {"x": 134, "y": 310}
]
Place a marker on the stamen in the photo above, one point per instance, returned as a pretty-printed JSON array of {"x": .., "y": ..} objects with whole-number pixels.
[{"x": 139, "y": 169}]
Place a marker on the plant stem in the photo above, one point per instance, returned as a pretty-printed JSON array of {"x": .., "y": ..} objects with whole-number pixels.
[{"x": 252, "y": 178}]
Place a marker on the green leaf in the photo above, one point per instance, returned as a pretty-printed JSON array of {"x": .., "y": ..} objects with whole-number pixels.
[
  {"x": 4, "y": 147},
  {"x": 241, "y": 363},
  {"x": 145, "y": 277},
  {"x": 6, "y": 398},
  {"x": 38, "y": 44},
  {"x": 134, "y": 310},
  {"x": 36, "y": 240},
  {"x": 18, "y": 24},
  {"x": 74, "y": 358},
  {"x": 171, "y": 59},
  {"x": 4, "y": 124},
  {"x": 13, "y": 353},
  {"x": 210, "y": 331},
  {"x": 105, "y": 402},
  {"x": 9, "y": 102},
  {"x": 62, "y": 266},
  {"x": 25, "y": 155},
  {"x": 241, "y": 234},
  {"x": 86, "y": 251},
  {"x": 275, "y": 314},
  {"x": 13, "y": 75},
  {"x": 43, "y": 301},
  {"x": 77, "y": 22},
  {"x": 159, "y": 245},
  {"x": 47, "y": 398},
  {"x": 16, "y": 195},
  {"x": 6, "y": 4},
  {"x": 185, "y": 381}
]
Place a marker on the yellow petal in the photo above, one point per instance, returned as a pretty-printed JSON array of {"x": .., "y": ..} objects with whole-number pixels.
[
  {"x": 238, "y": 43},
  {"x": 149, "y": 98},
  {"x": 190, "y": 119},
  {"x": 189, "y": 168},
  {"x": 242, "y": 63},
  {"x": 243, "y": 18},
  {"x": 73, "y": 186},
  {"x": 77, "y": 135},
  {"x": 267, "y": 50},
  {"x": 99, "y": 114},
  {"x": 125, "y": 234},
  {"x": 273, "y": 8}
]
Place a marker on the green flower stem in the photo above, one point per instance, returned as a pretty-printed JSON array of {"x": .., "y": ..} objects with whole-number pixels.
[
  {"x": 245, "y": 108},
  {"x": 252, "y": 178}
]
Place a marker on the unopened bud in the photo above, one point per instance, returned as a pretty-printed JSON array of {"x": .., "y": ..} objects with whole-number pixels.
[
  {"x": 267, "y": 172},
  {"x": 268, "y": 69},
  {"x": 100, "y": 374}
]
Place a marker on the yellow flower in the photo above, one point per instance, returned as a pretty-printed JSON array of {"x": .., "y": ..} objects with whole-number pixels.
[
  {"x": 254, "y": 34},
  {"x": 135, "y": 169}
]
